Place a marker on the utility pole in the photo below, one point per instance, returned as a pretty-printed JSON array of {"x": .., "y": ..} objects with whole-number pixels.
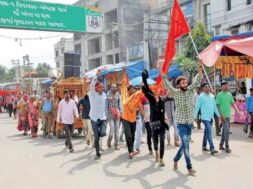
[
  {"x": 16, "y": 65},
  {"x": 28, "y": 64}
]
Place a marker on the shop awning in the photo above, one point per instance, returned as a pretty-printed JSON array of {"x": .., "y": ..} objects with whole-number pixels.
[
  {"x": 134, "y": 69},
  {"x": 174, "y": 72},
  {"x": 227, "y": 45}
]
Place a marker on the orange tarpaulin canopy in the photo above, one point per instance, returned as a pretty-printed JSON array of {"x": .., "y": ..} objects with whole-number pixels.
[
  {"x": 210, "y": 55},
  {"x": 232, "y": 54}
]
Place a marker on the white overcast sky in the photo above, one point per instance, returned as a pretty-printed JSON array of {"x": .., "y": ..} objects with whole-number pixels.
[{"x": 38, "y": 50}]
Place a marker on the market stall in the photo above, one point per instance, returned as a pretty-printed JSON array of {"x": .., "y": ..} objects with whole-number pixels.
[
  {"x": 233, "y": 56},
  {"x": 114, "y": 73}
]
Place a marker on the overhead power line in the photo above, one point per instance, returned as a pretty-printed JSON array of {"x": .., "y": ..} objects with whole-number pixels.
[{"x": 32, "y": 38}]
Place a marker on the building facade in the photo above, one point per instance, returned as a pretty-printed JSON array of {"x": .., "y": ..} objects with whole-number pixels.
[
  {"x": 128, "y": 23},
  {"x": 202, "y": 13},
  {"x": 65, "y": 45},
  {"x": 156, "y": 27},
  {"x": 227, "y": 17},
  {"x": 231, "y": 16},
  {"x": 122, "y": 27}
]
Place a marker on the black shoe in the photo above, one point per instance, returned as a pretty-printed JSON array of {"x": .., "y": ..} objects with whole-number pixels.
[
  {"x": 97, "y": 158},
  {"x": 230, "y": 133},
  {"x": 222, "y": 148},
  {"x": 228, "y": 150},
  {"x": 71, "y": 150},
  {"x": 205, "y": 149},
  {"x": 213, "y": 152},
  {"x": 218, "y": 134}
]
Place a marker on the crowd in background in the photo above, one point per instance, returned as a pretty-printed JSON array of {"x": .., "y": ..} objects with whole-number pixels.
[{"x": 157, "y": 111}]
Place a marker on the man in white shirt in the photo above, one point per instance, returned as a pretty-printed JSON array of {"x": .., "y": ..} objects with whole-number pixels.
[
  {"x": 97, "y": 112},
  {"x": 67, "y": 111}
]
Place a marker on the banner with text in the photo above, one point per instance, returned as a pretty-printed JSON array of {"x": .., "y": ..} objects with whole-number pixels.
[{"x": 23, "y": 14}]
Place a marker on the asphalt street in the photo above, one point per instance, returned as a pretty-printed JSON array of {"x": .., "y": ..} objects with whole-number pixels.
[{"x": 40, "y": 163}]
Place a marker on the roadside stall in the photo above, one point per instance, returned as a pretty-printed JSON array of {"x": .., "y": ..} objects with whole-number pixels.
[
  {"x": 114, "y": 73},
  {"x": 233, "y": 56},
  {"x": 78, "y": 88}
]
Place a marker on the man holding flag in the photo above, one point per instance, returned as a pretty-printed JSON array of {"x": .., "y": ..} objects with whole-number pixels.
[
  {"x": 183, "y": 95},
  {"x": 184, "y": 114}
]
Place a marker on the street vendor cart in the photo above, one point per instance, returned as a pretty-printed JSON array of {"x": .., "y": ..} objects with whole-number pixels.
[{"x": 78, "y": 88}]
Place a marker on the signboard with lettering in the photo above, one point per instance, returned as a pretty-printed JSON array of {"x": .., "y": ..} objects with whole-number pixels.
[
  {"x": 136, "y": 52},
  {"x": 93, "y": 22},
  {"x": 23, "y": 14}
]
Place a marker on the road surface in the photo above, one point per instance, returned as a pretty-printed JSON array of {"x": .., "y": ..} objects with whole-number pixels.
[{"x": 40, "y": 163}]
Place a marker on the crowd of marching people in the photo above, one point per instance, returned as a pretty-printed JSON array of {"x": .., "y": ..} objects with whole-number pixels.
[{"x": 154, "y": 109}]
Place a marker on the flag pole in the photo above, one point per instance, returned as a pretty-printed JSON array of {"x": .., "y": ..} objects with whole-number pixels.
[{"x": 196, "y": 50}]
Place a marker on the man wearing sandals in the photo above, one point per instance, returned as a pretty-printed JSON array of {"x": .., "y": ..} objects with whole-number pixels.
[{"x": 184, "y": 114}]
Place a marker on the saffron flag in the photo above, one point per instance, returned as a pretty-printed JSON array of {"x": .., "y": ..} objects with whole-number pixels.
[
  {"x": 178, "y": 28},
  {"x": 133, "y": 101},
  {"x": 124, "y": 85}
]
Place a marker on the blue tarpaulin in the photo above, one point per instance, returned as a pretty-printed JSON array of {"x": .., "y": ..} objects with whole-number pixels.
[
  {"x": 174, "y": 72},
  {"x": 138, "y": 81},
  {"x": 134, "y": 69},
  {"x": 47, "y": 82},
  {"x": 226, "y": 37}
]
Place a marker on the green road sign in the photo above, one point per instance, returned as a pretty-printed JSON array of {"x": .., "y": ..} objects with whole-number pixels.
[{"x": 23, "y": 14}]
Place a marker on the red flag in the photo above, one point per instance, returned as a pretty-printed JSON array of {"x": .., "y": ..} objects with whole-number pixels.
[{"x": 178, "y": 28}]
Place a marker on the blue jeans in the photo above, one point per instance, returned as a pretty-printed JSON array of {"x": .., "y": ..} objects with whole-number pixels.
[
  {"x": 208, "y": 135},
  {"x": 184, "y": 131},
  {"x": 225, "y": 132},
  {"x": 96, "y": 127}
]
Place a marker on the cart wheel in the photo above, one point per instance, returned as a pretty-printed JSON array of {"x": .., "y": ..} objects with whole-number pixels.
[{"x": 79, "y": 131}]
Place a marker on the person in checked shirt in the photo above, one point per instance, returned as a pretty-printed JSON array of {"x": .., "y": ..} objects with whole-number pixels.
[
  {"x": 113, "y": 112},
  {"x": 184, "y": 114}
]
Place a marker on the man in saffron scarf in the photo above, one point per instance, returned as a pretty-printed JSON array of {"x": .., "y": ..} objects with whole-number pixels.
[{"x": 130, "y": 107}]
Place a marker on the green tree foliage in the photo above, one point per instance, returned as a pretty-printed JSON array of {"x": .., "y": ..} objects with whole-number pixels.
[
  {"x": 201, "y": 38},
  {"x": 10, "y": 74},
  {"x": 3, "y": 71},
  {"x": 7, "y": 74},
  {"x": 43, "y": 68},
  {"x": 187, "y": 60},
  {"x": 186, "y": 64}
]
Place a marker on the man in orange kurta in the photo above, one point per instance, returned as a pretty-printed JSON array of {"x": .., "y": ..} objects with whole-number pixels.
[{"x": 130, "y": 107}]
